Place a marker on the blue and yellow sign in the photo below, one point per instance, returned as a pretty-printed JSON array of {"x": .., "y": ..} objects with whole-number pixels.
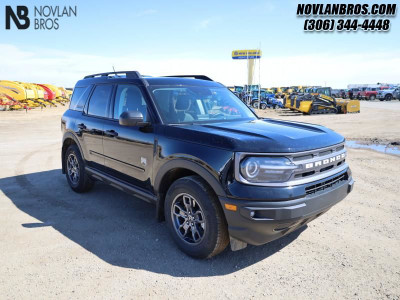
[{"x": 246, "y": 54}]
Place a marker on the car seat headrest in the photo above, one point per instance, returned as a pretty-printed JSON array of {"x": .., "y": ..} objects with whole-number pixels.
[{"x": 182, "y": 102}]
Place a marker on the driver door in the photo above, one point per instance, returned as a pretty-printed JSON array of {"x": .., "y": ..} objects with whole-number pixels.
[{"x": 128, "y": 150}]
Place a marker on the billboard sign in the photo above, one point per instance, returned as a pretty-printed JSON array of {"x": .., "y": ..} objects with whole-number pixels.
[{"x": 246, "y": 54}]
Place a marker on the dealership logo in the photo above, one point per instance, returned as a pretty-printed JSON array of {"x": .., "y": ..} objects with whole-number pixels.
[
  {"x": 21, "y": 15},
  {"x": 44, "y": 17}
]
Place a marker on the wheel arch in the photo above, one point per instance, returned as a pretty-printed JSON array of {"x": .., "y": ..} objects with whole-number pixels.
[
  {"x": 68, "y": 139},
  {"x": 176, "y": 169}
]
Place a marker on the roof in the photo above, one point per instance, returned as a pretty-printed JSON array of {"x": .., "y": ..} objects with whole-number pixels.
[
  {"x": 135, "y": 78},
  {"x": 181, "y": 81}
]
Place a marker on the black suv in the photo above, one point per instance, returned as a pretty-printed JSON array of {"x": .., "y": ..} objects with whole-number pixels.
[{"x": 216, "y": 172}]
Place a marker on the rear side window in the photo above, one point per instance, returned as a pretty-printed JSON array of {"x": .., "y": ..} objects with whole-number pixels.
[
  {"x": 99, "y": 101},
  {"x": 79, "y": 98}
]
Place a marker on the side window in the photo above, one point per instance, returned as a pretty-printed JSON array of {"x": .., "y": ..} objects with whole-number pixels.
[
  {"x": 99, "y": 101},
  {"x": 79, "y": 98},
  {"x": 129, "y": 98}
]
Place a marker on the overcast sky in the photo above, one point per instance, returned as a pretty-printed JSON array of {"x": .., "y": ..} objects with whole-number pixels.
[{"x": 182, "y": 37}]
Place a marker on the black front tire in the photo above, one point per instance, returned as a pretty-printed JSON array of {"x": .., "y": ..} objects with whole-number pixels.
[
  {"x": 81, "y": 182},
  {"x": 388, "y": 97},
  {"x": 215, "y": 236}
]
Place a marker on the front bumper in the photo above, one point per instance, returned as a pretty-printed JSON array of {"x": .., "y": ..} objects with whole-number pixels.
[{"x": 259, "y": 222}]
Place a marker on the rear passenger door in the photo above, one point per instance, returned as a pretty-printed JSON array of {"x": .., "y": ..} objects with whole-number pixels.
[
  {"x": 128, "y": 150},
  {"x": 91, "y": 126}
]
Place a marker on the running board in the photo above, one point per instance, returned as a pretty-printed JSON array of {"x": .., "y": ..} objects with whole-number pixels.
[{"x": 121, "y": 185}]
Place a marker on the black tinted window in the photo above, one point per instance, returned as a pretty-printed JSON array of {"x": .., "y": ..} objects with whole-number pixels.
[
  {"x": 79, "y": 98},
  {"x": 129, "y": 98},
  {"x": 99, "y": 101}
]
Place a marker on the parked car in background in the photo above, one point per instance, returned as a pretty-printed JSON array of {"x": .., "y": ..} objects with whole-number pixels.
[
  {"x": 369, "y": 93},
  {"x": 396, "y": 93},
  {"x": 388, "y": 94},
  {"x": 354, "y": 93}
]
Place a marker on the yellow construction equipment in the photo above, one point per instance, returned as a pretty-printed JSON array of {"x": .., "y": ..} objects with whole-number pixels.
[
  {"x": 7, "y": 103},
  {"x": 19, "y": 93},
  {"x": 277, "y": 91},
  {"x": 58, "y": 93},
  {"x": 68, "y": 93},
  {"x": 348, "y": 106},
  {"x": 321, "y": 104},
  {"x": 64, "y": 93},
  {"x": 38, "y": 95},
  {"x": 286, "y": 91}
]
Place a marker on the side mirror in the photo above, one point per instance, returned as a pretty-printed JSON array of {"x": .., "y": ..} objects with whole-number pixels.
[{"x": 132, "y": 118}]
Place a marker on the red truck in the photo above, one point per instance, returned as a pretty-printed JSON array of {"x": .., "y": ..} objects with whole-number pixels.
[{"x": 370, "y": 93}]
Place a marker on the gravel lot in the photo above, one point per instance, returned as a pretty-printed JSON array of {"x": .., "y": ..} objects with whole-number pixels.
[{"x": 105, "y": 244}]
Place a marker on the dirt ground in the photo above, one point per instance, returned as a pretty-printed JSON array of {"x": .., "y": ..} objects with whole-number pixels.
[{"x": 105, "y": 244}]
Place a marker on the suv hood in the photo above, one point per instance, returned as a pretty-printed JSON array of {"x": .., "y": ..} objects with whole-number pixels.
[{"x": 263, "y": 135}]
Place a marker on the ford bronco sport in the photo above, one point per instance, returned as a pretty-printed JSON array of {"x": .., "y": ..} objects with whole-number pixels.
[{"x": 216, "y": 172}]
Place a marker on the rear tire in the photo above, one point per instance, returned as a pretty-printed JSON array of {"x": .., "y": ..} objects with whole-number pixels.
[
  {"x": 76, "y": 175},
  {"x": 195, "y": 218}
]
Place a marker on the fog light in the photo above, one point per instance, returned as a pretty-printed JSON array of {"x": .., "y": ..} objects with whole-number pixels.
[{"x": 252, "y": 213}]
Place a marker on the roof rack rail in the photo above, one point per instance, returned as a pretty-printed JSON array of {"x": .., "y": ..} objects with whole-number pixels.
[
  {"x": 202, "y": 77},
  {"x": 128, "y": 74}
]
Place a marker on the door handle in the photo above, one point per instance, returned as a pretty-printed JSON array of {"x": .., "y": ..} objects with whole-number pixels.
[
  {"x": 111, "y": 133},
  {"x": 81, "y": 126}
]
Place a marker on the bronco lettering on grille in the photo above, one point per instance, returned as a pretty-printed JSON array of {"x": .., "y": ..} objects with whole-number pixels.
[{"x": 325, "y": 161}]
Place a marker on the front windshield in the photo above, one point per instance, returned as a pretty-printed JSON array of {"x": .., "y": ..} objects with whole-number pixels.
[{"x": 195, "y": 104}]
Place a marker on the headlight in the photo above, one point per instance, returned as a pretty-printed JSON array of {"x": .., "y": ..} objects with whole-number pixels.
[{"x": 266, "y": 169}]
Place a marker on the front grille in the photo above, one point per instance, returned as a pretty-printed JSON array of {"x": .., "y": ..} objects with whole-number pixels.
[
  {"x": 312, "y": 165},
  {"x": 312, "y": 189},
  {"x": 311, "y": 161}
]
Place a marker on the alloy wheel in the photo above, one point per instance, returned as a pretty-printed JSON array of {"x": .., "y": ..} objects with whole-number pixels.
[
  {"x": 73, "y": 168},
  {"x": 188, "y": 218}
]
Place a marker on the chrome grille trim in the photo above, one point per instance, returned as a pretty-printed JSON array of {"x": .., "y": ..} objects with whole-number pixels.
[{"x": 304, "y": 175}]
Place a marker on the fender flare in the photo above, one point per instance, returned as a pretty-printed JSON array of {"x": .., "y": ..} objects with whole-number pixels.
[
  {"x": 68, "y": 135},
  {"x": 192, "y": 166},
  {"x": 184, "y": 164}
]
